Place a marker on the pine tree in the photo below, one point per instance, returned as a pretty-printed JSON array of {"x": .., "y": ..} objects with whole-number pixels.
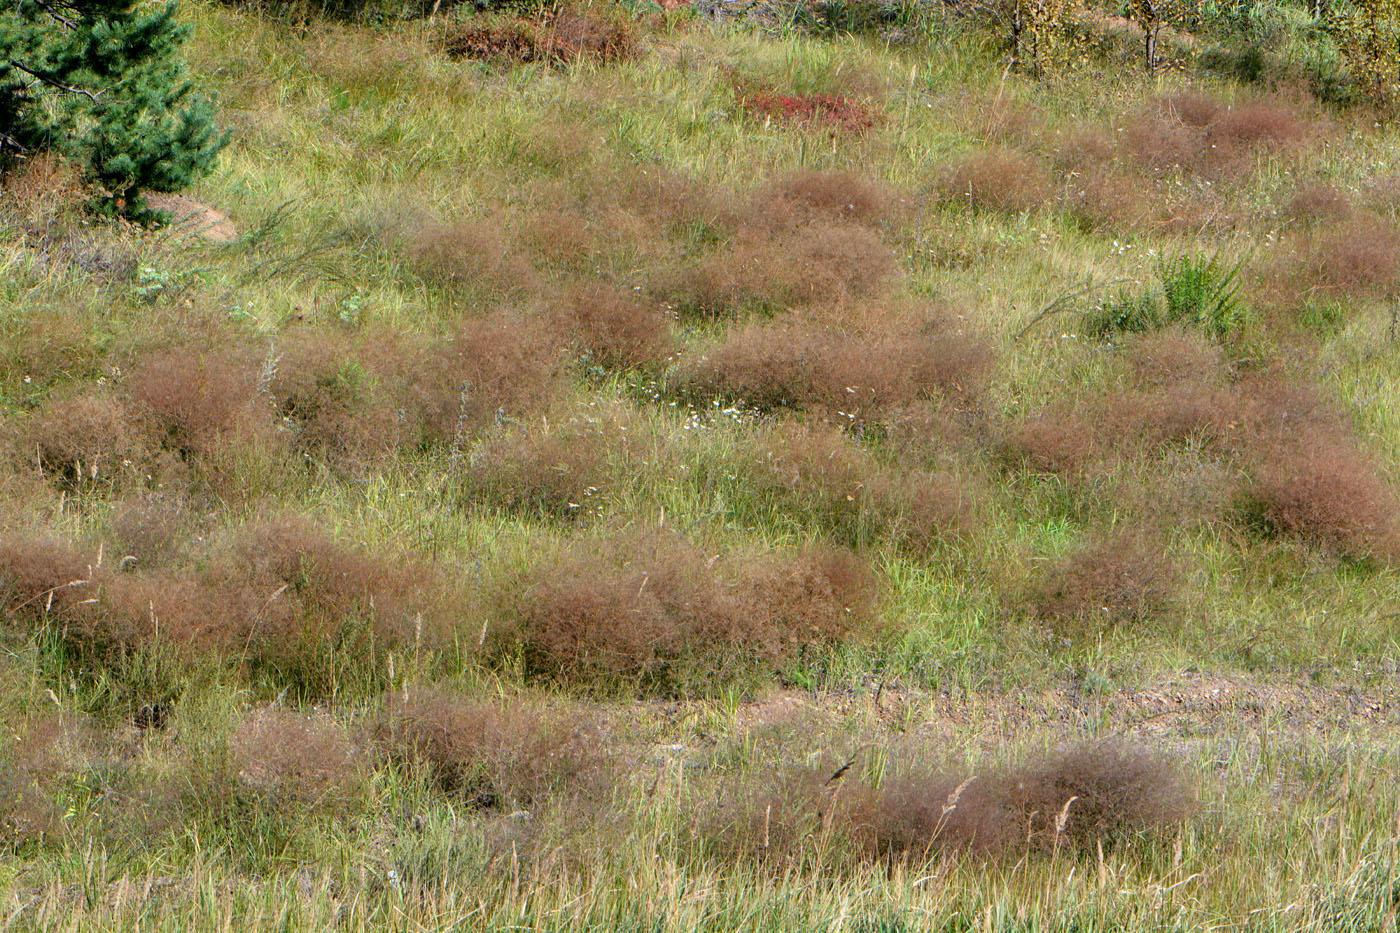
[{"x": 102, "y": 82}]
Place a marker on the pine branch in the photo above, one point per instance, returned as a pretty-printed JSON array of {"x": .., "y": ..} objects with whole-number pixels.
[{"x": 94, "y": 97}]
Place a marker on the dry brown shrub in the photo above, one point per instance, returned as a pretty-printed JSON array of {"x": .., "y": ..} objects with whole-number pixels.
[
  {"x": 921, "y": 813},
  {"x": 83, "y": 439},
  {"x": 618, "y": 328},
  {"x": 316, "y": 585},
  {"x": 1098, "y": 793},
  {"x": 44, "y": 751},
  {"x": 818, "y": 261},
  {"x": 845, "y": 376},
  {"x": 1113, "y": 578},
  {"x": 1084, "y": 150},
  {"x": 1350, "y": 259},
  {"x": 305, "y": 760},
  {"x": 819, "y": 595},
  {"x": 152, "y": 528},
  {"x": 1102, "y": 199},
  {"x": 43, "y": 347},
  {"x": 470, "y": 253},
  {"x": 1255, "y": 125},
  {"x": 503, "y": 364},
  {"x": 556, "y": 470},
  {"x": 569, "y": 36},
  {"x": 562, "y": 238},
  {"x": 42, "y": 575},
  {"x": 341, "y": 397},
  {"x": 999, "y": 180},
  {"x": 843, "y": 197},
  {"x": 1193, "y": 110},
  {"x": 667, "y": 199},
  {"x": 41, "y": 187},
  {"x": 1060, "y": 439},
  {"x": 1161, "y": 141},
  {"x": 820, "y": 469},
  {"x": 1317, "y": 202},
  {"x": 199, "y": 401},
  {"x": 1175, "y": 355},
  {"x": 1092, "y": 795},
  {"x": 1327, "y": 492},
  {"x": 655, "y": 607},
  {"x": 1171, "y": 414},
  {"x": 493, "y": 754}
]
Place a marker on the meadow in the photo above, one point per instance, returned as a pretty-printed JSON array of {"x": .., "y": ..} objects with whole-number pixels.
[{"x": 642, "y": 470}]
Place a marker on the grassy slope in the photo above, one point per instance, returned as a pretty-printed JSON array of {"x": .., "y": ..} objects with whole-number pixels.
[{"x": 344, "y": 134}]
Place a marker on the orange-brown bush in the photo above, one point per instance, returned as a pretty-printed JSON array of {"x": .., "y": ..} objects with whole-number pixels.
[
  {"x": 84, "y": 439},
  {"x": 818, "y": 470},
  {"x": 1318, "y": 202},
  {"x": 503, "y": 364},
  {"x": 1098, "y": 792},
  {"x": 1103, "y": 199},
  {"x": 842, "y": 375},
  {"x": 1112, "y": 578},
  {"x": 618, "y": 328},
  {"x": 569, "y": 36},
  {"x": 43, "y": 575},
  {"x": 833, "y": 196},
  {"x": 1326, "y": 491},
  {"x": 197, "y": 401},
  {"x": 655, "y": 608},
  {"x": 469, "y": 253},
  {"x": 563, "y": 238},
  {"x": 1359, "y": 257},
  {"x": 493, "y": 754},
  {"x": 1175, "y": 355},
  {"x": 1060, "y": 439},
  {"x": 1093, "y": 794},
  {"x": 38, "y": 757},
  {"x": 817, "y": 261},
  {"x": 561, "y": 471},
  {"x": 1201, "y": 136},
  {"x": 315, "y": 587},
  {"x": 41, "y": 348},
  {"x": 832, "y": 112},
  {"x": 298, "y": 759},
  {"x": 998, "y": 180},
  {"x": 151, "y": 528},
  {"x": 343, "y": 396}
]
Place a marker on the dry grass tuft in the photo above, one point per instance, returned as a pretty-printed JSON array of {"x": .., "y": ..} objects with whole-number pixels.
[
  {"x": 198, "y": 402},
  {"x": 563, "y": 471},
  {"x": 1099, "y": 793},
  {"x": 842, "y": 375},
  {"x": 1092, "y": 795},
  {"x": 83, "y": 440},
  {"x": 656, "y": 608},
  {"x": 152, "y": 529},
  {"x": 1327, "y": 492},
  {"x": 1319, "y": 203},
  {"x": 569, "y": 36},
  {"x": 297, "y": 759},
  {"x": 842, "y": 197},
  {"x": 1113, "y": 578},
  {"x": 831, "y": 112},
  {"x": 493, "y": 754},
  {"x": 999, "y": 180},
  {"x": 619, "y": 329},
  {"x": 468, "y": 253},
  {"x": 1061, "y": 439},
  {"x": 499, "y": 365}
]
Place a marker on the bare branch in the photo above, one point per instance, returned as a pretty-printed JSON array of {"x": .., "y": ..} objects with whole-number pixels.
[{"x": 68, "y": 88}]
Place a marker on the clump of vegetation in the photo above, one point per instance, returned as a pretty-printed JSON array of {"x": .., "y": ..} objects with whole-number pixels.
[
  {"x": 491, "y": 754},
  {"x": 1112, "y": 579}
]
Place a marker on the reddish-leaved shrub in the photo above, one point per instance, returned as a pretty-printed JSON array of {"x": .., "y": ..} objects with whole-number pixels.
[{"x": 83, "y": 440}]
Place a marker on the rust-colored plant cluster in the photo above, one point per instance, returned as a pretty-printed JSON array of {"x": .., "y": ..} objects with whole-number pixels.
[{"x": 1087, "y": 796}]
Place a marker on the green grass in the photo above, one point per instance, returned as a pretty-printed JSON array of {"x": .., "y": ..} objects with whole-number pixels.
[{"x": 348, "y": 140}]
